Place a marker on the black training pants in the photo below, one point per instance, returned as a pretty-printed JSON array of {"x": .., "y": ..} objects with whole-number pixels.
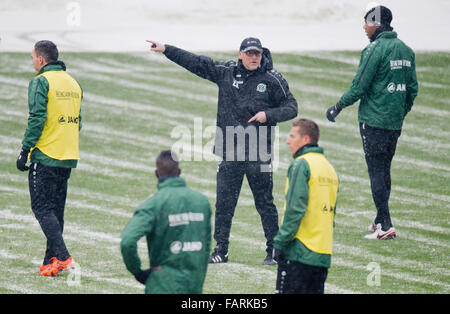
[
  {"x": 298, "y": 278},
  {"x": 230, "y": 175},
  {"x": 48, "y": 190},
  {"x": 379, "y": 149}
]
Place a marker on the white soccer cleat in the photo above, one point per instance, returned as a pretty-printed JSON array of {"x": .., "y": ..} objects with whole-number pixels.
[
  {"x": 372, "y": 227},
  {"x": 379, "y": 234}
]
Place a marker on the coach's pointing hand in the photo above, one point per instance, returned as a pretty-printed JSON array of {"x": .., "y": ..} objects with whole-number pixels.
[
  {"x": 260, "y": 117},
  {"x": 156, "y": 47}
]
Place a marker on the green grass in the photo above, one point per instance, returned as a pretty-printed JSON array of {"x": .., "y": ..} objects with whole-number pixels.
[{"x": 132, "y": 104}]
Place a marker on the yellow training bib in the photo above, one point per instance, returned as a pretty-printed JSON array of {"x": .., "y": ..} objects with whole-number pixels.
[
  {"x": 316, "y": 227},
  {"x": 59, "y": 138}
]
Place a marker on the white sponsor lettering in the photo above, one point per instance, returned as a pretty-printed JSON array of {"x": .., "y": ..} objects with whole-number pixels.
[
  {"x": 184, "y": 218},
  {"x": 192, "y": 246},
  {"x": 392, "y": 87},
  {"x": 398, "y": 64},
  {"x": 177, "y": 246},
  {"x": 401, "y": 88}
]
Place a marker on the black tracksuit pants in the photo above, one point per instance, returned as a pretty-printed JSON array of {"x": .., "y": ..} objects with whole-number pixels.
[
  {"x": 230, "y": 175},
  {"x": 297, "y": 278},
  {"x": 48, "y": 190},
  {"x": 379, "y": 149}
]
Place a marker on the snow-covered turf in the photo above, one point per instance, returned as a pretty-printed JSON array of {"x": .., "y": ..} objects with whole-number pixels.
[
  {"x": 137, "y": 104},
  {"x": 134, "y": 102}
]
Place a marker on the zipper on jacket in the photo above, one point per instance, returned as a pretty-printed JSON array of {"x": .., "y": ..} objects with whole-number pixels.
[{"x": 367, "y": 62}]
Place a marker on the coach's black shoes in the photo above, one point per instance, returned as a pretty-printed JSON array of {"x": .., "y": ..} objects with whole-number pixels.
[
  {"x": 269, "y": 260},
  {"x": 218, "y": 257}
]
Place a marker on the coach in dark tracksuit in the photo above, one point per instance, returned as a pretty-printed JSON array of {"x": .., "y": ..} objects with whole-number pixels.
[
  {"x": 253, "y": 98},
  {"x": 386, "y": 84}
]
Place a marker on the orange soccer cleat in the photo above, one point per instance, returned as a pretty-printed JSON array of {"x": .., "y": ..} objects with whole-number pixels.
[
  {"x": 66, "y": 264},
  {"x": 57, "y": 266},
  {"x": 44, "y": 267}
]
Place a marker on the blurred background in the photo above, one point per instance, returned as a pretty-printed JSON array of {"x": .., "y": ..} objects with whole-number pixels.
[{"x": 282, "y": 25}]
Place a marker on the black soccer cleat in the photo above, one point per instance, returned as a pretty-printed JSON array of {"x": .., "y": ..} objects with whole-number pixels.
[
  {"x": 217, "y": 257},
  {"x": 269, "y": 260}
]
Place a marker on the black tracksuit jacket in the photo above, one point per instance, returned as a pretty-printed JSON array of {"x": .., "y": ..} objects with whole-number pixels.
[{"x": 242, "y": 94}]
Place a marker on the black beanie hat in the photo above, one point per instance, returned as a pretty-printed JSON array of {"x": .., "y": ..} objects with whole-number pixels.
[{"x": 379, "y": 15}]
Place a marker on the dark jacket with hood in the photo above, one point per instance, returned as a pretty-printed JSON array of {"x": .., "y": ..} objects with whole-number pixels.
[{"x": 242, "y": 94}]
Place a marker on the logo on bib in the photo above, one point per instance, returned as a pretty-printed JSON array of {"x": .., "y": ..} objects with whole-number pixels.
[
  {"x": 61, "y": 120},
  {"x": 69, "y": 119}
]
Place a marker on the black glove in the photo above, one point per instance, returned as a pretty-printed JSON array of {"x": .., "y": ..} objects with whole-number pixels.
[
  {"x": 333, "y": 112},
  {"x": 22, "y": 160},
  {"x": 143, "y": 275},
  {"x": 278, "y": 255}
]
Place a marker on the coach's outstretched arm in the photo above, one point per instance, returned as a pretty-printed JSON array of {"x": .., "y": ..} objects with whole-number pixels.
[{"x": 202, "y": 66}]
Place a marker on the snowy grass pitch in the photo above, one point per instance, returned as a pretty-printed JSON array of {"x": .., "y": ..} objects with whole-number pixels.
[{"x": 133, "y": 103}]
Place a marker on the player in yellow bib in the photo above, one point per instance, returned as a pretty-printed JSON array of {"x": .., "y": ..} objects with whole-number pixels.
[
  {"x": 303, "y": 245},
  {"x": 51, "y": 143}
]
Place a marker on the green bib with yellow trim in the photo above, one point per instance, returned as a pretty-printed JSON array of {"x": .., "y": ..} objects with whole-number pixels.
[
  {"x": 59, "y": 138},
  {"x": 316, "y": 227}
]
